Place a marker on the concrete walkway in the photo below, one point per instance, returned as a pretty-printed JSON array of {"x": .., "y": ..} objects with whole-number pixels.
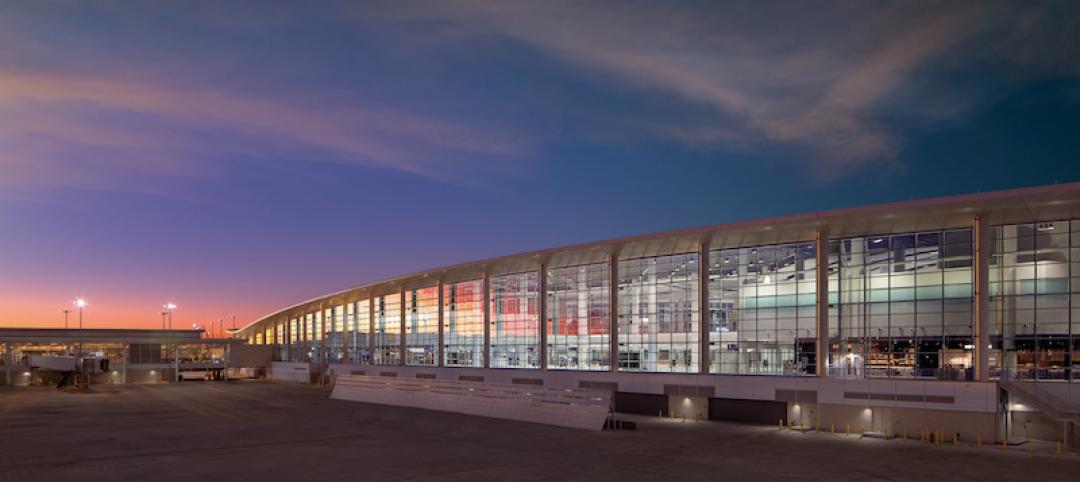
[{"x": 261, "y": 431}]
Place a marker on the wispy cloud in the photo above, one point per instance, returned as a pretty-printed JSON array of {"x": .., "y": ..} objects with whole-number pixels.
[
  {"x": 99, "y": 132},
  {"x": 813, "y": 74}
]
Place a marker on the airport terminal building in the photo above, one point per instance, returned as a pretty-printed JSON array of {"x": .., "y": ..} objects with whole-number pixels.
[{"x": 937, "y": 313}]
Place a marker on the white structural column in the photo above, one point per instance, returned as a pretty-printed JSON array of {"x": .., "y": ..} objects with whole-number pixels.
[
  {"x": 543, "y": 317},
  {"x": 487, "y": 320},
  {"x": 401, "y": 338},
  {"x": 371, "y": 329},
  {"x": 323, "y": 327},
  {"x": 821, "y": 300},
  {"x": 982, "y": 299},
  {"x": 439, "y": 342},
  {"x": 613, "y": 309},
  {"x": 176, "y": 362},
  {"x": 8, "y": 360},
  {"x": 345, "y": 334},
  {"x": 704, "y": 314},
  {"x": 303, "y": 336},
  {"x": 286, "y": 338}
]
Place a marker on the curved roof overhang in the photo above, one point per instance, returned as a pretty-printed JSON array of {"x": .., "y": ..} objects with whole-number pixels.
[{"x": 1044, "y": 203}]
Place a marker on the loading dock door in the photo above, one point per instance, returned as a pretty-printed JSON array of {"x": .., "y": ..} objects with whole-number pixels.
[{"x": 749, "y": 411}]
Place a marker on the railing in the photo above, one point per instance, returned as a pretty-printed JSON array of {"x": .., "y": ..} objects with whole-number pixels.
[
  {"x": 902, "y": 373},
  {"x": 1044, "y": 400}
]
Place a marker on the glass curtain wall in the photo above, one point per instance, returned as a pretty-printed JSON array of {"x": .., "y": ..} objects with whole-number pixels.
[
  {"x": 314, "y": 333},
  {"x": 659, "y": 314},
  {"x": 762, "y": 303},
  {"x": 463, "y": 324},
  {"x": 1035, "y": 300},
  {"x": 388, "y": 329},
  {"x": 282, "y": 352},
  {"x": 577, "y": 320},
  {"x": 422, "y": 326},
  {"x": 296, "y": 340},
  {"x": 904, "y": 306},
  {"x": 335, "y": 334},
  {"x": 515, "y": 320},
  {"x": 359, "y": 314}
]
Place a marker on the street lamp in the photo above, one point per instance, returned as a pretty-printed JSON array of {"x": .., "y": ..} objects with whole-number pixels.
[
  {"x": 169, "y": 308},
  {"x": 67, "y": 347},
  {"x": 80, "y": 303}
]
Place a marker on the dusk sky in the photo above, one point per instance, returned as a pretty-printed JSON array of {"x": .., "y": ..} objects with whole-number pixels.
[{"x": 238, "y": 157}]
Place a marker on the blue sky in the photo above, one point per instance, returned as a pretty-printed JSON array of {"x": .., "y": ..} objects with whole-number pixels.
[{"x": 239, "y": 156}]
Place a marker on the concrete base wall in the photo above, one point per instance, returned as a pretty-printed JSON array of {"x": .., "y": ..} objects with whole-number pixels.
[
  {"x": 641, "y": 403},
  {"x": 290, "y": 372},
  {"x": 149, "y": 375},
  {"x": 967, "y": 408},
  {"x": 690, "y": 408},
  {"x": 1031, "y": 425},
  {"x": 897, "y": 421},
  {"x": 746, "y": 411}
]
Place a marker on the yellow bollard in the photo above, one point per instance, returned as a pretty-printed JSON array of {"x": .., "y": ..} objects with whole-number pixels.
[
  {"x": 847, "y": 429},
  {"x": 1004, "y": 445},
  {"x": 862, "y": 430},
  {"x": 780, "y": 424},
  {"x": 978, "y": 441},
  {"x": 832, "y": 428},
  {"x": 817, "y": 428},
  {"x": 1031, "y": 447},
  {"x": 905, "y": 434},
  {"x": 940, "y": 436},
  {"x": 660, "y": 415},
  {"x": 1057, "y": 449},
  {"x": 955, "y": 439}
]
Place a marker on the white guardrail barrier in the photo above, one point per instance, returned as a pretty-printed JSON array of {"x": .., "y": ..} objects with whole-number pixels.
[{"x": 574, "y": 408}]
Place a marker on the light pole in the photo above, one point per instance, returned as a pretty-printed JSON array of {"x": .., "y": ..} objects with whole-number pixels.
[
  {"x": 80, "y": 303},
  {"x": 169, "y": 308},
  {"x": 67, "y": 347},
  {"x": 163, "y": 320},
  {"x": 221, "y": 327}
]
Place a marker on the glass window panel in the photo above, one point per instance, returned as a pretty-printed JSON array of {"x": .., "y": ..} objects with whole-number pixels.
[
  {"x": 463, "y": 324},
  {"x": 577, "y": 318}
]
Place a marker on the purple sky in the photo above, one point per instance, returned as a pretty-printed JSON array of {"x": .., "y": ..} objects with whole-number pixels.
[{"x": 238, "y": 157}]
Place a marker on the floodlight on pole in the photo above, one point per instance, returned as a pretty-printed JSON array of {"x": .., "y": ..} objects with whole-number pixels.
[
  {"x": 80, "y": 303},
  {"x": 169, "y": 308}
]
